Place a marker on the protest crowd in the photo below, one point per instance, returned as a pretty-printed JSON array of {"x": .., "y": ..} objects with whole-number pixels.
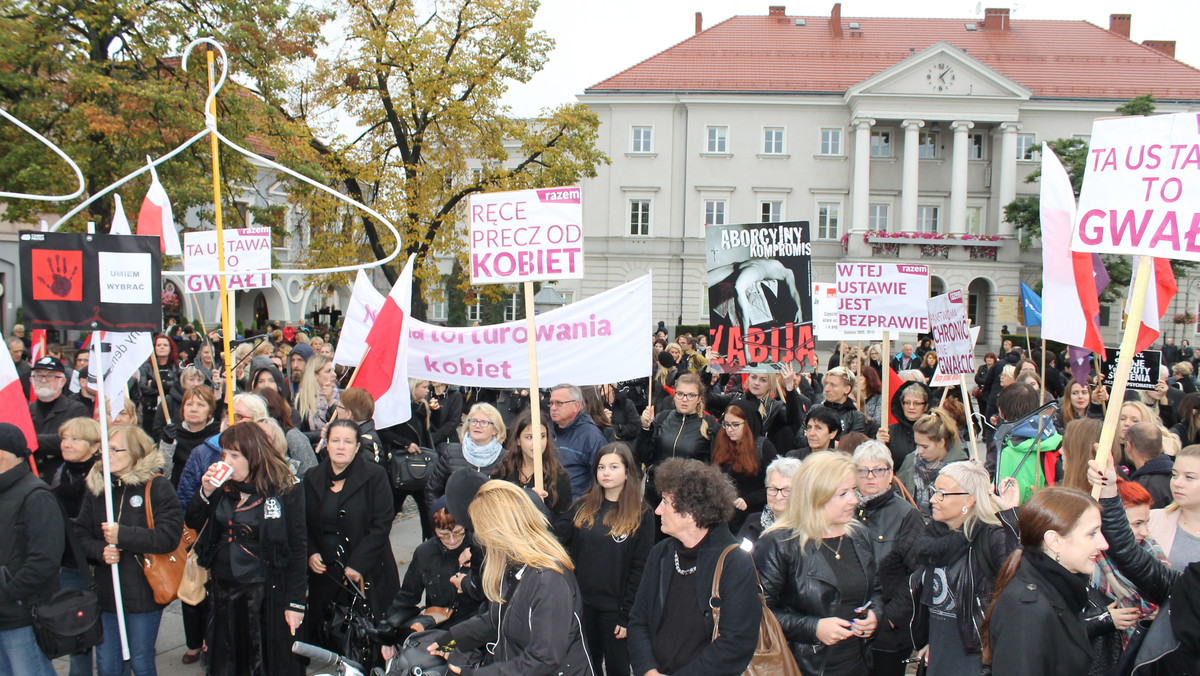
[{"x": 878, "y": 542}]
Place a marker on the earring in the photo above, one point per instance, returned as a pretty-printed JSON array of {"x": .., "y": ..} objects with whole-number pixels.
[
  {"x": 1057, "y": 558},
  {"x": 964, "y": 510}
]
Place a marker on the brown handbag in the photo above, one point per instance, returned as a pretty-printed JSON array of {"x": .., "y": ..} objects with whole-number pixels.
[
  {"x": 163, "y": 571},
  {"x": 772, "y": 655}
]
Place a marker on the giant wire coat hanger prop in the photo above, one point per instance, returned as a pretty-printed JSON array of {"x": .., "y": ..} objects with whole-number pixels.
[
  {"x": 58, "y": 151},
  {"x": 211, "y": 128}
]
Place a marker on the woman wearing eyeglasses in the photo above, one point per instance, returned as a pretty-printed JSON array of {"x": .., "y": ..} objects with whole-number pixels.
[
  {"x": 481, "y": 450},
  {"x": 957, "y": 559},
  {"x": 686, "y": 432},
  {"x": 743, "y": 455},
  {"x": 909, "y": 403},
  {"x": 778, "y": 492}
]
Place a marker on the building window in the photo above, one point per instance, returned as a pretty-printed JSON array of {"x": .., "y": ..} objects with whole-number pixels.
[
  {"x": 828, "y": 218},
  {"x": 475, "y": 311},
  {"x": 510, "y": 307},
  {"x": 1105, "y": 315},
  {"x": 642, "y": 140},
  {"x": 639, "y": 217},
  {"x": 717, "y": 139},
  {"x": 568, "y": 296},
  {"x": 772, "y": 140},
  {"x": 881, "y": 144},
  {"x": 975, "y": 220},
  {"x": 1026, "y": 144},
  {"x": 927, "y": 145},
  {"x": 772, "y": 211},
  {"x": 975, "y": 146},
  {"x": 438, "y": 310},
  {"x": 831, "y": 141},
  {"x": 714, "y": 212},
  {"x": 927, "y": 218},
  {"x": 880, "y": 217}
]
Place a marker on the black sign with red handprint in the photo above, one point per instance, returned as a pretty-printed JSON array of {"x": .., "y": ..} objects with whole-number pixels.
[{"x": 90, "y": 282}]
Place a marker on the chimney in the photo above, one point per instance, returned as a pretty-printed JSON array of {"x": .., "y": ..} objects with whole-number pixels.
[
  {"x": 1119, "y": 24},
  {"x": 777, "y": 11},
  {"x": 699, "y": 23},
  {"x": 996, "y": 19},
  {"x": 1164, "y": 47},
  {"x": 835, "y": 20}
]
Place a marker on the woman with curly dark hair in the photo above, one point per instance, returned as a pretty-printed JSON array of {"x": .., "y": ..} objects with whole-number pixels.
[
  {"x": 671, "y": 625},
  {"x": 517, "y": 465}
]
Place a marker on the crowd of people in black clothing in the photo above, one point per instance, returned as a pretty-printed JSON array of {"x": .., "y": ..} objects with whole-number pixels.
[{"x": 877, "y": 536}]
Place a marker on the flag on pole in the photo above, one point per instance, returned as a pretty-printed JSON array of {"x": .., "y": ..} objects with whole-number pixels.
[
  {"x": 1158, "y": 298},
  {"x": 120, "y": 224},
  {"x": 384, "y": 370},
  {"x": 365, "y": 304},
  {"x": 37, "y": 350},
  {"x": 121, "y": 354},
  {"x": 156, "y": 218},
  {"x": 16, "y": 409},
  {"x": 1071, "y": 281},
  {"x": 894, "y": 383},
  {"x": 1031, "y": 307}
]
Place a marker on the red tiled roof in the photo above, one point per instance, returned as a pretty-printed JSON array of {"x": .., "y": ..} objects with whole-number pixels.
[{"x": 1054, "y": 59}]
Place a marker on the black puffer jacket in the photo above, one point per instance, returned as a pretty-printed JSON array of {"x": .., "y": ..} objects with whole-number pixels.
[
  {"x": 428, "y": 576},
  {"x": 450, "y": 459},
  {"x": 851, "y": 418},
  {"x": 893, "y": 524},
  {"x": 902, "y": 442},
  {"x": 801, "y": 589}
]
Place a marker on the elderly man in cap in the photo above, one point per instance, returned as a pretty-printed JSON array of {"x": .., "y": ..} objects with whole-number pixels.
[
  {"x": 50, "y": 410},
  {"x": 32, "y": 535}
]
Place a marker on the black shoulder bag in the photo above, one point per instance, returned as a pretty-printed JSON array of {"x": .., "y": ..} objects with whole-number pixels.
[{"x": 69, "y": 621}]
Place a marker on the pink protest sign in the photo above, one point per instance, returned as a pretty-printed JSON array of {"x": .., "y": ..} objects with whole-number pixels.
[
  {"x": 885, "y": 297},
  {"x": 526, "y": 235}
]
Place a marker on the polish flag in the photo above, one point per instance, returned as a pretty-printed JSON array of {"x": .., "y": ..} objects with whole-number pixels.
[
  {"x": 383, "y": 372},
  {"x": 37, "y": 350},
  {"x": 364, "y": 307},
  {"x": 1158, "y": 298},
  {"x": 894, "y": 383},
  {"x": 120, "y": 224},
  {"x": 1069, "y": 283},
  {"x": 156, "y": 218},
  {"x": 12, "y": 401}
]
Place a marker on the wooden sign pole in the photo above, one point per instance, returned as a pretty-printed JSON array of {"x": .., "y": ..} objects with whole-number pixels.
[
  {"x": 535, "y": 405},
  {"x": 885, "y": 365},
  {"x": 358, "y": 367},
  {"x": 162, "y": 397},
  {"x": 966, "y": 395},
  {"x": 1133, "y": 324}
]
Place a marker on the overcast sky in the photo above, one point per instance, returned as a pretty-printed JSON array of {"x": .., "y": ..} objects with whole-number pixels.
[{"x": 596, "y": 39}]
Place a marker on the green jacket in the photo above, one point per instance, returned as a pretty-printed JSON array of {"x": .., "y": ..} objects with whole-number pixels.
[{"x": 1032, "y": 474}]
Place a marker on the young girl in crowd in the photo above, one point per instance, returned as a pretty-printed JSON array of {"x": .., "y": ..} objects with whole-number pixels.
[
  {"x": 743, "y": 455},
  {"x": 517, "y": 464},
  {"x": 937, "y": 445}
]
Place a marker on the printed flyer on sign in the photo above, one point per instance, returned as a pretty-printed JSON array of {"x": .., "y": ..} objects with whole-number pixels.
[
  {"x": 760, "y": 295},
  {"x": 825, "y": 317},
  {"x": 526, "y": 235},
  {"x": 1143, "y": 373},
  {"x": 952, "y": 333},
  {"x": 887, "y": 297}
]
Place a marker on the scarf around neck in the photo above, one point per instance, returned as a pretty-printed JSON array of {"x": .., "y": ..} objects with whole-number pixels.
[
  {"x": 1071, "y": 586},
  {"x": 481, "y": 456}
]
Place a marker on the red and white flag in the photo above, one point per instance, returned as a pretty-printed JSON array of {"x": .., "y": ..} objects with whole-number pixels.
[
  {"x": 384, "y": 370},
  {"x": 156, "y": 218},
  {"x": 37, "y": 350},
  {"x": 12, "y": 402},
  {"x": 1158, "y": 298},
  {"x": 365, "y": 304},
  {"x": 120, "y": 354},
  {"x": 120, "y": 224}
]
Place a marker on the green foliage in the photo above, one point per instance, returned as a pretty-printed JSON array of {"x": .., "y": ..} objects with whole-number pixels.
[
  {"x": 456, "y": 298},
  {"x": 1138, "y": 105}
]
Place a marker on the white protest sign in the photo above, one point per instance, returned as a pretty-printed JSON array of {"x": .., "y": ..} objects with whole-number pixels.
[
  {"x": 940, "y": 379},
  {"x": 1141, "y": 188},
  {"x": 526, "y": 235},
  {"x": 825, "y": 317},
  {"x": 885, "y": 297},
  {"x": 247, "y": 251},
  {"x": 126, "y": 277},
  {"x": 952, "y": 333},
  {"x": 610, "y": 327}
]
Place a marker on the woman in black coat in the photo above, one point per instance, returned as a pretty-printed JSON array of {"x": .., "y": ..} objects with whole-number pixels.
[
  {"x": 481, "y": 450},
  {"x": 684, "y": 432},
  {"x": 909, "y": 403},
  {"x": 446, "y": 405},
  {"x": 410, "y": 437},
  {"x": 743, "y": 455},
  {"x": 429, "y": 597},
  {"x": 818, "y": 571},
  {"x": 1035, "y": 626},
  {"x": 348, "y": 510}
]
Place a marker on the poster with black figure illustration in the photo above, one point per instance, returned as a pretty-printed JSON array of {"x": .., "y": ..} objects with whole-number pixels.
[
  {"x": 91, "y": 282},
  {"x": 760, "y": 296}
]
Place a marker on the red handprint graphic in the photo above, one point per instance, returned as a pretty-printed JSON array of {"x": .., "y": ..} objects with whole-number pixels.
[{"x": 56, "y": 275}]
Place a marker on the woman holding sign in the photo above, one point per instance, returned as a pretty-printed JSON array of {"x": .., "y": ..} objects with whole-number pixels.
[{"x": 685, "y": 432}]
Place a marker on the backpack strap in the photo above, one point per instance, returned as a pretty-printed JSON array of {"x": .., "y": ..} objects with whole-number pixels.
[
  {"x": 714, "y": 601},
  {"x": 81, "y": 564}
]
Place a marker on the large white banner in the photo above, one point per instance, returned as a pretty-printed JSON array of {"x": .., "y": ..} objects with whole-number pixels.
[
  {"x": 825, "y": 317},
  {"x": 526, "y": 235},
  {"x": 952, "y": 333},
  {"x": 247, "y": 250},
  {"x": 1141, "y": 188},
  {"x": 884, "y": 297},
  {"x": 602, "y": 339}
]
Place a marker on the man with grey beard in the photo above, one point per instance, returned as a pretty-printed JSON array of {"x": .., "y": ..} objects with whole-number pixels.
[{"x": 49, "y": 411}]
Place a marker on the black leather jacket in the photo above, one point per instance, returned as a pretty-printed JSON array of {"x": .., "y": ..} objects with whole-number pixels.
[
  {"x": 801, "y": 589},
  {"x": 893, "y": 523},
  {"x": 676, "y": 435}
]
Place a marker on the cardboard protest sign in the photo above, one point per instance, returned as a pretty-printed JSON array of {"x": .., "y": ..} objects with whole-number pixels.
[
  {"x": 952, "y": 333},
  {"x": 1143, "y": 373},
  {"x": 611, "y": 324},
  {"x": 940, "y": 379},
  {"x": 88, "y": 282},
  {"x": 526, "y": 235},
  {"x": 760, "y": 295},
  {"x": 825, "y": 317},
  {"x": 1006, "y": 309},
  {"x": 885, "y": 297},
  {"x": 1140, "y": 188},
  {"x": 247, "y": 251}
]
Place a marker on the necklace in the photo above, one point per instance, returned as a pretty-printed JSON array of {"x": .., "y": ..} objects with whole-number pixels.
[
  {"x": 837, "y": 553},
  {"x": 681, "y": 571},
  {"x": 1185, "y": 524}
]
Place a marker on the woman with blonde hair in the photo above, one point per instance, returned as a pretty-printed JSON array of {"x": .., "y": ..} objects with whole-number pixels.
[
  {"x": 481, "y": 449},
  {"x": 528, "y": 580},
  {"x": 318, "y": 393},
  {"x": 818, "y": 570},
  {"x": 937, "y": 445},
  {"x": 1177, "y": 527}
]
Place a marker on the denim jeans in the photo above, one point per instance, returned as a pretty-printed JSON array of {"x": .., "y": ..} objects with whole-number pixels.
[
  {"x": 20, "y": 654},
  {"x": 142, "y": 629},
  {"x": 81, "y": 664}
]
